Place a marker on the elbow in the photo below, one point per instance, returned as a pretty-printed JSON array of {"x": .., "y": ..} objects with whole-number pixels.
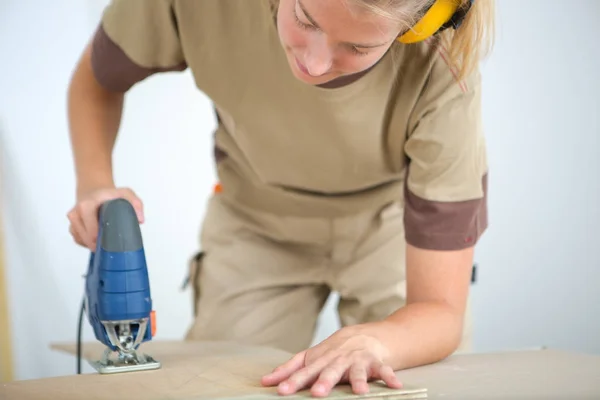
[
  {"x": 456, "y": 332},
  {"x": 453, "y": 337}
]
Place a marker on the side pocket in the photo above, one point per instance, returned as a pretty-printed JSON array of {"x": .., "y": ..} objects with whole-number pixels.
[{"x": 194, "y": 266}]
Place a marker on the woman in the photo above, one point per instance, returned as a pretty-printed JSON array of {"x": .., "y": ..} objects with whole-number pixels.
[{"x": 350, "y": 157}]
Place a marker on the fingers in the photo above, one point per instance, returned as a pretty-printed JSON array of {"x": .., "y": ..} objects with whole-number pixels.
[
  {"x": 285, "y": 370},
  {"x": 332, "y": 375},
  {"x": 88, "y": 211},
  {"x": 74, "y": 231},
  {"x": 325, "y": 373},
  {"x": 387, "y": 375},
  {"x": 84, "y": 216},
  {"x": 304, "y": 377},
  {"x": 77, "y": 228},
  {"x": 358, "y": 377}
]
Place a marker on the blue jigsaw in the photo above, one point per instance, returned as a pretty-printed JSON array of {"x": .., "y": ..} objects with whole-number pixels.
[{"x": 117, "y": 301}]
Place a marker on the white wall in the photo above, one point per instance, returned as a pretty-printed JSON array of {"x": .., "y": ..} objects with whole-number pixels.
[
  {"x": 539, "y": 262},
  {"x": 539, "y": 265}
]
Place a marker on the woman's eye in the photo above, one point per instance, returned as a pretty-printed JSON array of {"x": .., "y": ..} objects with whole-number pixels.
[
  {"x": 357, "y": 52},
  {"x": 302, "y": 24}
]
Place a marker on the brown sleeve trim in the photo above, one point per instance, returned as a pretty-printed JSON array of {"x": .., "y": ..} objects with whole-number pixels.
[
  {"x": 114, "y": 70},
  {"x": 437, "y": 225}
]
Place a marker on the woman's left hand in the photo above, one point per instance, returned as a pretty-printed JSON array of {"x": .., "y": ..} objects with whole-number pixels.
[{"x": 351, "y": 355}]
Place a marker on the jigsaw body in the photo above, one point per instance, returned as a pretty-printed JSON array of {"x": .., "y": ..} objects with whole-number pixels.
[{"x": 118, "y": 302}]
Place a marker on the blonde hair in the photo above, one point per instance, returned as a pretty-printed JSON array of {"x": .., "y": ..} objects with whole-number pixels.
[
  {"x": 467, "y": 45},
  {"x": 474, "y": 39}
]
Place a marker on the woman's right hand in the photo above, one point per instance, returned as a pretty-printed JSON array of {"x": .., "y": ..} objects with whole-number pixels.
[{"x": 83, "y": 217}]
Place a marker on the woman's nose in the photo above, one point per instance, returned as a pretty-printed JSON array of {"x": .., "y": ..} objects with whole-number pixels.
[{"x": 319, "y": 58}]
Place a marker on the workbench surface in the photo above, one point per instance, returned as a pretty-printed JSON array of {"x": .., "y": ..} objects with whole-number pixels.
[{"x": 217, "y": 370}]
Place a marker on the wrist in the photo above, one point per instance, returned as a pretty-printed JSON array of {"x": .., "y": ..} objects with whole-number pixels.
[
  {"x": 388, "y": 334},
  {"x": 92, "y": 183}
]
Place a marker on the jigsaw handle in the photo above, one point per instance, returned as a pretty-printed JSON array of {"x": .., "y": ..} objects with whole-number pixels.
[
  {"x": 119, "y": 227},
  {"x": 117, "y": 283}
]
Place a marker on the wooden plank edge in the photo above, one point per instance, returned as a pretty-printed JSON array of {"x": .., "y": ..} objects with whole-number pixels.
[{"x": 6, "y": 357}]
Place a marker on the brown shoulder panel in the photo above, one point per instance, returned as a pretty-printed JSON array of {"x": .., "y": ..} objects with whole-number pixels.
[
  {"x": 435, "y": 225},
  {"x": 114, "y": 70}
]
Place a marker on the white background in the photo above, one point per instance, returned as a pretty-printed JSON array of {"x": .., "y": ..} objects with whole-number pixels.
[{"x": 539, "y": 264}]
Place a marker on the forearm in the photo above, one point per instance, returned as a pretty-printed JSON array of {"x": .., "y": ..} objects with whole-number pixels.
[
  {"x": 429, "y": 328},
  {"x": 94, "y": 116}
]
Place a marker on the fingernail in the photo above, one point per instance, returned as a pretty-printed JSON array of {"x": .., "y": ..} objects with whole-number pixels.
[{"x": 284, "y": 386}]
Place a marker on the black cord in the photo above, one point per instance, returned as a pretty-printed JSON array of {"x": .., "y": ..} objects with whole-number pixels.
[{"x": 80, "y": 323}]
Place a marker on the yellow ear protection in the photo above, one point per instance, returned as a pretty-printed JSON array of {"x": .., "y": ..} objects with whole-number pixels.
[{"x": 441, "y": 15}]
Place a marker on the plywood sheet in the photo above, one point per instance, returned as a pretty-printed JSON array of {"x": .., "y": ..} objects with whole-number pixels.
[
  {"x": 229, "y": 371},
  {"x": 6, "y": 367},
  {"x": 523, "y": 375},
  {"x": 190, "y": 371}
]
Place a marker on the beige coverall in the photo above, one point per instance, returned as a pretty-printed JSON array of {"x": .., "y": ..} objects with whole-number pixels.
[{"x": 322, "y": 187}]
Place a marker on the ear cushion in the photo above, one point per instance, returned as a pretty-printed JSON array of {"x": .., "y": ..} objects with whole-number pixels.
[{"x": 435, "y": 18}]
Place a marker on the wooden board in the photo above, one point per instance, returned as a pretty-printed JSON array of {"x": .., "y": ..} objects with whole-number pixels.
[
  {"x": 6, "y": 367},
  {"x": 522, "y": 375},
  {"x": 190, "y": 370},
  {"x": 6, "y": 372},
  {"x": 229, "y": 371}
]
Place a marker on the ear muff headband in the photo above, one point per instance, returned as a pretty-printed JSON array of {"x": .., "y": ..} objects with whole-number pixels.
[{"x": 438, "y": 17}]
